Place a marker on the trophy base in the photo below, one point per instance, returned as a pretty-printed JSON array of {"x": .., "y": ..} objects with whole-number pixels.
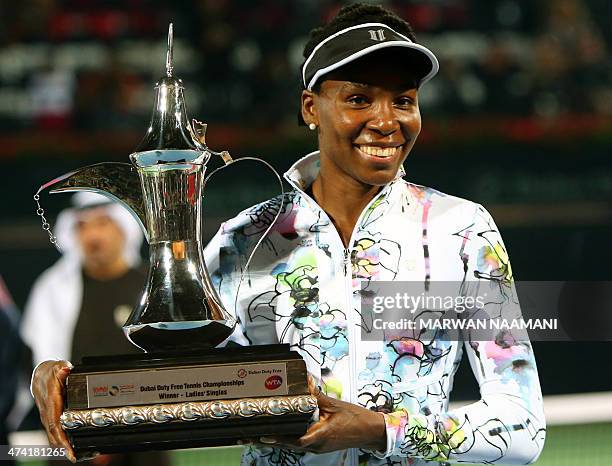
[{"x": 163, "y": 402}]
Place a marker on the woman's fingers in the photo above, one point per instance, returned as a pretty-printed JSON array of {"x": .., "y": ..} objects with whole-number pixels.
[
  {"x": 48, "y": 387},
  {"x": 307, "y": 442},
  {"x": 42, "y": 387},
  {"x": 313, "y": 437},
  {"x": 57, "y": 406}
]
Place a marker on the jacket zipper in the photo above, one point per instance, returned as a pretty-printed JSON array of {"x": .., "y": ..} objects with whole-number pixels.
[
  {"x": 348, "y": 289},
  {"x": 353, "y": 455}
]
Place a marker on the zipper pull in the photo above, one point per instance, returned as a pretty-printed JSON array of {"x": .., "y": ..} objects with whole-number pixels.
[{"x": 347, "y": 259}]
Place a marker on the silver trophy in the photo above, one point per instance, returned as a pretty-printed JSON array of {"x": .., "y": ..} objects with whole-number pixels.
[{"x": 158, "y": 400}]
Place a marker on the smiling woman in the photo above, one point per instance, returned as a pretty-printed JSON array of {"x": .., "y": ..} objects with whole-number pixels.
[
  {"x": 368, "y": 121},
  {"x": 361, "y": 75},
  {"x": 350, "y": 221}
]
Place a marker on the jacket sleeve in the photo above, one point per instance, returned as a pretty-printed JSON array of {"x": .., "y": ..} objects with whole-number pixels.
[{"x": 507, "y": 424}]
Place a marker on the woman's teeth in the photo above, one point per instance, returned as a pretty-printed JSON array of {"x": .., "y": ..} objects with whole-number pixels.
[{"x": 382, "y": 152}]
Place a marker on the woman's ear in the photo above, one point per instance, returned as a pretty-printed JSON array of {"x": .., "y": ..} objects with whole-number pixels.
[{"x": 309, "y": 108}]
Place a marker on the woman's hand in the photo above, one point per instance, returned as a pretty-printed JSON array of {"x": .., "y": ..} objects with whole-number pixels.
[
  {"x": 341, "y": 425},
  {"x": 48, "y": 387}
]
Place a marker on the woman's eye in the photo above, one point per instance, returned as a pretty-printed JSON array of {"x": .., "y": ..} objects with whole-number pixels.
[
  {"x": 405, "y": 101},
  {"x": 357, "y": 100}
]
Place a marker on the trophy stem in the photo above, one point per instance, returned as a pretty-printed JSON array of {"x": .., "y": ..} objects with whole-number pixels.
[{"x": 179, "y": 310}]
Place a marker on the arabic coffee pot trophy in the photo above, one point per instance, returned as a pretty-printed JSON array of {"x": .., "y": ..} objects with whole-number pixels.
[{"x": 142, "y": 402}]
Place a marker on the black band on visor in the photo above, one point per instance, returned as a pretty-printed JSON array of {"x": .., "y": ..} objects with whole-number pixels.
[{"x": 357, "y": 41}]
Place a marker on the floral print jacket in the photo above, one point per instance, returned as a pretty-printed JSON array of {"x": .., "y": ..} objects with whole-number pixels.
[{"x": 303, "y": 288}]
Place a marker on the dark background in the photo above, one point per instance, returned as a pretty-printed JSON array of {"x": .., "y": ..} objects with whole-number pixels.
[{"x": 519, "y": 120}]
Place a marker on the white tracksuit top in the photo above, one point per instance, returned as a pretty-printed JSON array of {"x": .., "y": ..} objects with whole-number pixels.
[{"x": 303, "y": 288}]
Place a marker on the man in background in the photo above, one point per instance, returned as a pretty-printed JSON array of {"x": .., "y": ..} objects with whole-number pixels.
[{"x": 78, "y": 306}]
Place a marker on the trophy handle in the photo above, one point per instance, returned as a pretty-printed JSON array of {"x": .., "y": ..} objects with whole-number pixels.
[
  {"x": 228, "y": 160},
  {"x": 115, "y": 180}
]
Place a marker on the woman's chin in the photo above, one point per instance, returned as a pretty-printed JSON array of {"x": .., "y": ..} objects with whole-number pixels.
[{"x": 378, "y": 178}]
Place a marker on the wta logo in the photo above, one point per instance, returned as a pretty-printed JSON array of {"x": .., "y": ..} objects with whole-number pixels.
[{"x": 273, "y": 382}]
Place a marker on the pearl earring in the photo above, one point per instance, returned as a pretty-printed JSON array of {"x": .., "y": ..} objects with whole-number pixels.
[{"x": 312, "y": 126}]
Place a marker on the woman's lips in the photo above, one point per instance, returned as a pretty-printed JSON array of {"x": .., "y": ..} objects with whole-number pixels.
[{"x": 380, "y": 152}]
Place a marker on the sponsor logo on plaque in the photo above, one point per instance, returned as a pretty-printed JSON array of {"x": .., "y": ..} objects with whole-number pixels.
[
  {"x": 273, "y": 382},
  {"x": 129, "y": 388},
  {"x": 101, "y": 390},
  {"x": 242, "y": 373}
]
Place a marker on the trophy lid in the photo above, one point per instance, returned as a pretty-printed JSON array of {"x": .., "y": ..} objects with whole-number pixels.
[{"x": 169, "y": 127}]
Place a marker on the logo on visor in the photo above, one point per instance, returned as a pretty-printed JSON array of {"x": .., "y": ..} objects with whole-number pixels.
[{"x": 377, "y": 35}]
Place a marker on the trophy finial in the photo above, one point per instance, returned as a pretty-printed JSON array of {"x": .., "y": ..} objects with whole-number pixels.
[{"x": 169, "y": 59}]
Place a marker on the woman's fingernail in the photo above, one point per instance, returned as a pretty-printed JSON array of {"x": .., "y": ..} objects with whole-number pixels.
[{"x": 267, "y": 440}]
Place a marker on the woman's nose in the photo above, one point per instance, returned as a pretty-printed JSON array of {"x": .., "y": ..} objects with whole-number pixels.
[
  {"x": 384, "y": 120},
  {"x": 384, "y": 126}
]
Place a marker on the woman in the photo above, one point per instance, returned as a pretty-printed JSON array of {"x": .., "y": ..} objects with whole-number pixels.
[{"x": 351, "y": 220}]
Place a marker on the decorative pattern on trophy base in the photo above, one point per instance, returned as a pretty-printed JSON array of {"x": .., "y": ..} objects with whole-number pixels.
[{"x": 243, "y": 408}]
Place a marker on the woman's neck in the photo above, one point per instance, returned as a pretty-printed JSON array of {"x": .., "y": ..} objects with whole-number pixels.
[{"x": 343, "y": 199}]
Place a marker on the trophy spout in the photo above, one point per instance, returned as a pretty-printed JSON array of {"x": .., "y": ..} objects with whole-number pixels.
[{"x": 117, "y": 181}]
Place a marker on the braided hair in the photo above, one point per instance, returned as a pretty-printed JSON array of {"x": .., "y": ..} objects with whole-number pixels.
[{"x": 353, "y": 15}]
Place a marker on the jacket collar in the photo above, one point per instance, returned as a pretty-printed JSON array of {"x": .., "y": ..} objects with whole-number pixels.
[{"x": 303, "y": 172}]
